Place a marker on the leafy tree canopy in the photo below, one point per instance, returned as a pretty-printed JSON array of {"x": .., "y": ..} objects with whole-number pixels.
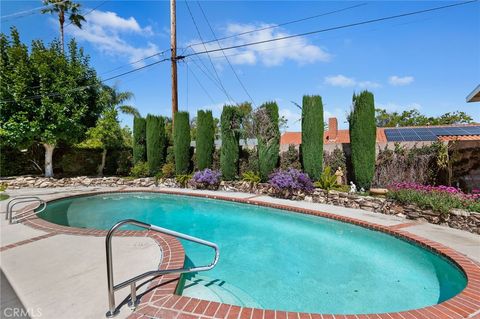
[{"x": 413, "y": 117}]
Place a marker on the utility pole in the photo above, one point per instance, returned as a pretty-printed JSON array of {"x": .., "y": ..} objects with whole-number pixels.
[{"x": 173, "y": 45}]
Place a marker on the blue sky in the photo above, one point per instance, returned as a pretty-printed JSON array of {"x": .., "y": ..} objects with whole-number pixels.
[{"x": 430, "y": 62}]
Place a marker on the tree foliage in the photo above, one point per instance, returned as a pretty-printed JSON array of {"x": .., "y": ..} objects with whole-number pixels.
[
  {"x": 415, "y": 118},
  {"x": 230, "y": 130},
  {"x": 268, "y": 137},
  {"x": 205, "y": 139},
  {"x": 156, "y": 143},
  {"x": 181, "y": 142},
  {"x": 139, "y": 140},
  {"x": 46, "y": 96},
  {"x": 363, "y": 134},
  {"x": 312, "y": 135}
]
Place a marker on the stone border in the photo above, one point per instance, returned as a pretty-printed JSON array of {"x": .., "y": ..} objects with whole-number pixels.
[{"x": 161, "y": 302}]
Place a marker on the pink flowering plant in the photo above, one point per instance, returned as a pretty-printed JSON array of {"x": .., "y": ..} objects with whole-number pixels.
[
  {"x": 206, "y": 179},
  {"x": 287, "y": 182},
  {"x": 440, "y": 198}
]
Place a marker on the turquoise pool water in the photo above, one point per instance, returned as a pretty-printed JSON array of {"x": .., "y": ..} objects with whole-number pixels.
[{"x": 274, "y": 259}]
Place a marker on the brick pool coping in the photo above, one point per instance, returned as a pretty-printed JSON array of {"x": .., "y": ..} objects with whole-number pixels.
[{"x": 160, "y": 301}]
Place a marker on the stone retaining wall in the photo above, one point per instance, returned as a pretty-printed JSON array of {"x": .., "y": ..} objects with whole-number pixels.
[{"x": 459, "y": 219}]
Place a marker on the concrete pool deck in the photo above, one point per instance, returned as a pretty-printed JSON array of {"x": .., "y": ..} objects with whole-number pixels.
[{"x": 64, "y": 275}]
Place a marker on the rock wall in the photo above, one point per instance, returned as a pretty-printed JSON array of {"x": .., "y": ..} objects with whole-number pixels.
[{"x": 459, "y": 219}]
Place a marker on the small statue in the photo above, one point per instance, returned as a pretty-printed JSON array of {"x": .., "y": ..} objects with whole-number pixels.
[
  {"x": 339, "y": 175},
  {"x": 362, "y": 190},
  {"x": 353, "y": 188}
]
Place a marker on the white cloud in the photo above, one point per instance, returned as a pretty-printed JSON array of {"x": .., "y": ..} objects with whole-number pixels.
[
  {"x": 400, "y": 80},
  {"x": 340, "y": 80},
  {"x": 107, "y": 32},
  {"x": 344, "y": 81},
  {"x": 269, "y": 54}
]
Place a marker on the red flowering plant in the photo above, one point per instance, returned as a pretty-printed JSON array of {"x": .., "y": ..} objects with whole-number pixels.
[{"x": 440, "y": 198}]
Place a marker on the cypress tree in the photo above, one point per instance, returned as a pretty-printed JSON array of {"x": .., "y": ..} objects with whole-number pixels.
[
  {"x": 229, "y": 153},
  {"x": 181, "y": 142},
  {"x": 363, "y": 134},
  {"x": 139, "y": 140},
  {"x": 156, "y": 140},
  {"x": 312, "y": 135},
  {"x": 205, "y": 143},
  {"x": 268, "y": 137}
]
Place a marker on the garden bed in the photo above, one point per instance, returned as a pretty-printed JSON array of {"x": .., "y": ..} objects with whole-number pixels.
[{"x": 456, "y": 218}]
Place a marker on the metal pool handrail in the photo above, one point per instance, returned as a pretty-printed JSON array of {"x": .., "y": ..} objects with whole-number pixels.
[
  {"x": 23, "y": 199},
  {"x": 132, "y": 281}
]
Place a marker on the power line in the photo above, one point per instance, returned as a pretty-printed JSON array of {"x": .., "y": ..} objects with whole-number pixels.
[
  {"x": 29, "y": 12},
  {"x": 205, "y": 47},
  {"x": 231, "y": 36},
  {"x": 333, "y": 28},
  {"x": 283, "y": 38},
  {"x": 226, "y": 58},
  {"x": 86, "y": 14},
  {"x": 54, "y": 94},
  {"x": 200, "y": 84},
  {"x": 280, "y": 24}
]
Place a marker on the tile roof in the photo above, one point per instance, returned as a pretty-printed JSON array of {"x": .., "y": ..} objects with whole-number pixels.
[
  {"x": 343, "y": 137},
  {"x": 459, "y": 138}
]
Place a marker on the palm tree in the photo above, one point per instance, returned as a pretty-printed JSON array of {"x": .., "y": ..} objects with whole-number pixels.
[
  {"x": 62, "y": 8},
  {"x": 118, "y": 98}
]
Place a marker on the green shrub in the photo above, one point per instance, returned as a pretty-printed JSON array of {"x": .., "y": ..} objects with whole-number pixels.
[
  {"x": 156, "y": 142},
  {"x": 363, "y": 134},
  {"x": 183, "y": 179},
  {"x": 440, "y": 202},
  {"x": 170, "y": 158},
  {"x": 251, "y": 177},
  {"x": 248, "y": 160},
  {"x": 80, "y": 161},
  {"x": 205, "y": 140},
  {"x": 229, "y": 154},
  {"x": 268, "y": 137},
  {"x": 290, "y": 158},
  {"x": 327, "y": 180},
  {"x": 140, "y": 170},
  {"x": 312, "y": 135},
  {"x": 139, "y": 140},
  {"x": 168, "y": 170},
  {"x": 335, "y": 159},
  {"x": 181, "y": 142}
]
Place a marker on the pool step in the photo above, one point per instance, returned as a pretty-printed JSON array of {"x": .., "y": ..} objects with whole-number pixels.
[{"x": 211, "y": 289}]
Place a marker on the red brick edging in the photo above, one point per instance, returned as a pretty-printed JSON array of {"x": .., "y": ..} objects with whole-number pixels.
[{"x": 161, "y": 302}]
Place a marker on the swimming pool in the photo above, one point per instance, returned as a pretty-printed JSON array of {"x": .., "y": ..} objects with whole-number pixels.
[{"x": 280, "y": 260}]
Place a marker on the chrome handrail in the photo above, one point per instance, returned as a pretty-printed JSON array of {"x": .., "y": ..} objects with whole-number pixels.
[
  {"x": 132, "y": 281},
  {"x": 24, "y": 215},
  {"x": 19, "y": 200}
]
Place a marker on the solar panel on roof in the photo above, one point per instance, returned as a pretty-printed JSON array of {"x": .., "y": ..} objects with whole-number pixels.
[{"x": 428, "y": 133}]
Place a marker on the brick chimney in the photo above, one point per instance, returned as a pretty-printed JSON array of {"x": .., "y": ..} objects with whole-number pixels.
[{"x": 332, "y": 128}]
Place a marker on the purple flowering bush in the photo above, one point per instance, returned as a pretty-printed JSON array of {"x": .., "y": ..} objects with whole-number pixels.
[
  {"x": 206, "y": 179},
  {"x": 440, "y": 199},
  {"x": 290, "y": 181}
]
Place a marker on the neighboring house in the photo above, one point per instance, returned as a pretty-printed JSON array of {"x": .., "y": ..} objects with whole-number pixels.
[
  {"x": 388, "y": 136},
  {"x": 464, "y": 139},
  {"x": 474, "y": 96}
]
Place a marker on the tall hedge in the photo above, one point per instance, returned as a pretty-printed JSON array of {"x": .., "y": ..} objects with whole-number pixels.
[
  {"x": 362, "y": 138},
  {"x": 268, "y": 137},
  {"x": 181, "y": 142},
  {"x": 139, "y": 140},
  {"x": 229, "y": 153},
  {"x": 205, "y": 143},
  {"x": 312, "y": 135},
  {"x": 156, "y": 142}
]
